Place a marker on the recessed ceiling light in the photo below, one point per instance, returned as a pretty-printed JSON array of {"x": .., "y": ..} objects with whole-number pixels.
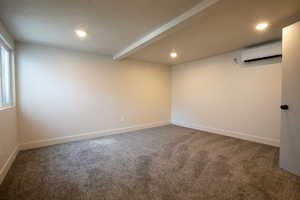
[
  {"x": 173, "y": 55},
  {"x": 261, "y": 26},
  {"x": 81, "y": 33}
]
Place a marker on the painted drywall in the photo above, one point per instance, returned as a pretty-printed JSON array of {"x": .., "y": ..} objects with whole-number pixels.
[
  {"x": 8, "y": 125},
  {"x": 63, "y": 93},
  {"x": 8, "y": 140},
  {"x": 218, "y": 95}
]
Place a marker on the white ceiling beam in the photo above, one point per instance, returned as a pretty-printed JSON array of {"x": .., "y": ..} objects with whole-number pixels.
[{"x": 146, "y": 40}]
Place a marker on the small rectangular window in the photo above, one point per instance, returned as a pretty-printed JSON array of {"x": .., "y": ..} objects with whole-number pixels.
[{"x": 6, "y": 77}]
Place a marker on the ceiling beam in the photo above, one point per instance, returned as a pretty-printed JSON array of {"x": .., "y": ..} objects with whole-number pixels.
[{"x": 147, "y": 39}]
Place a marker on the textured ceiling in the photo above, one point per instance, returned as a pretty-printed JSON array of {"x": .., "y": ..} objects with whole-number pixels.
[
  {"x": 223, "y": 27},
  {"x": 112, "y": 24}
]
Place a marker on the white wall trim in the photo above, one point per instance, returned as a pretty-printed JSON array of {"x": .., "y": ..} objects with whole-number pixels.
[
  {"x": 235, "y": 134},
  {"x": 90, "y": 135},
  {"x": 6, "y": 38},
  {"x": 8, "y": 164}
]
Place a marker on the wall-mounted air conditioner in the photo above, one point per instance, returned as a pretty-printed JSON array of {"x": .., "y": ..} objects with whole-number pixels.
[{"x": 262, "y": 52}]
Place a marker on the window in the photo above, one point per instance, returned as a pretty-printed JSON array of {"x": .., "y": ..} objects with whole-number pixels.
[{"x": 6, "y": 77}]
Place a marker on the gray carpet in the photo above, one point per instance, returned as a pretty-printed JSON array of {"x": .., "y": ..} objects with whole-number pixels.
[{"x": 165, "y": 163}]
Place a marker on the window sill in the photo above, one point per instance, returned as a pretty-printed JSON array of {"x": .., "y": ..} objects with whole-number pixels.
[{"x": 6, "y": 108}]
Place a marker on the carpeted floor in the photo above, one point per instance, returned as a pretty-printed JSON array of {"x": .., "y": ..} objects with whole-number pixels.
[{"x": 165, "y": 163}]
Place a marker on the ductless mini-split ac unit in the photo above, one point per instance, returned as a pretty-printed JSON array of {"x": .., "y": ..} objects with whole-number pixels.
[{"x": 262, "y": 52}]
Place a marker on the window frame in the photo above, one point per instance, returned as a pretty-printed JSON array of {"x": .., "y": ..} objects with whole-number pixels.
[{"x": 12, "y": 97}]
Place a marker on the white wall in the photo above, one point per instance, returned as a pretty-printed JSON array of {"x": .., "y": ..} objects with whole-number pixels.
[
  {"x": 217, "y": 95},
  {"x": 8, "y": 139},
  {"x": 64, "y": 93},
  {"x": 8, "y": 126}
]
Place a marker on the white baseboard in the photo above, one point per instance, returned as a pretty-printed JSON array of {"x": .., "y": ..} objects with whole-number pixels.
[
  {"x": 244, "y": 136},
  {"x": 90, "y": 135},
  {"x": 8, "y": 163}
]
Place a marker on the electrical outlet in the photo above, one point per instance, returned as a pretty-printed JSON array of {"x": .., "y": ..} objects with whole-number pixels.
[{"x": 122, "y": 119}]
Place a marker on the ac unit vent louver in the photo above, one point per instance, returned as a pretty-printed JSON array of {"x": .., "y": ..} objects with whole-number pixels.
[{"x": 262, "y": 52}]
